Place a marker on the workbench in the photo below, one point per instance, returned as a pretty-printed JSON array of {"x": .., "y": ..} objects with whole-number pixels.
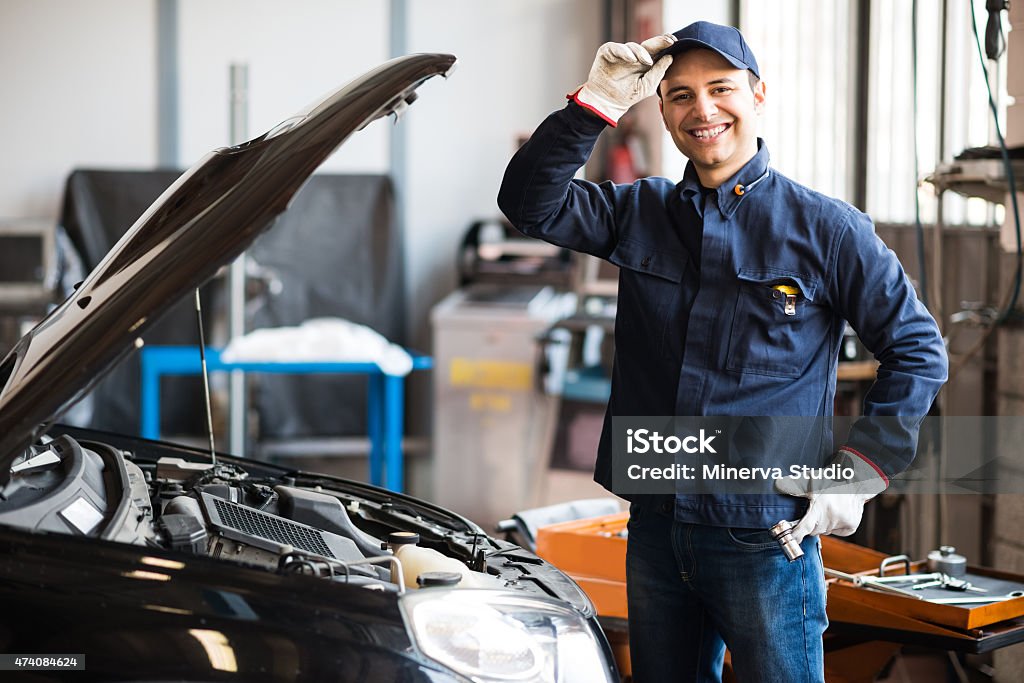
[
  {"x": 866, "y": 629},
  {"x": 385, "y": 403}
]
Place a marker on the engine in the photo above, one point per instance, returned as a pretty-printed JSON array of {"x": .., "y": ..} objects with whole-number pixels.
[{"x": 94, "y": 489}]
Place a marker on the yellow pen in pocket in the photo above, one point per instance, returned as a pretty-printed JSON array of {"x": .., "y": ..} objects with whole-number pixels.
[{"x": 790, "y": 293}]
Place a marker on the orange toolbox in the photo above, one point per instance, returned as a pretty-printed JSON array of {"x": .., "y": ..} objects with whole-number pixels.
[
  {"x": 593, "y": 552},
  {"x": 866, "y": 628}
]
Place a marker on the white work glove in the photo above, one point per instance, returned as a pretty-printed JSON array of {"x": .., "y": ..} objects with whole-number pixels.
[
  {"x": 836, "y": 504},
  {"x": 622, "y": 75}
]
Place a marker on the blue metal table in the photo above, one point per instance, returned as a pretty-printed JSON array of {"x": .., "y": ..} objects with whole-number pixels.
[{"x": 385, "y": 408}]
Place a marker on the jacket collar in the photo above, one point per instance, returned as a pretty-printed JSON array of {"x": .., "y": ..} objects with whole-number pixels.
[{"x": 730, "y": 193}]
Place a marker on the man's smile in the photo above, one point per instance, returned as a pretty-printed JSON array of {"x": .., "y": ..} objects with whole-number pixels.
[{"x": 708, "y": 133}]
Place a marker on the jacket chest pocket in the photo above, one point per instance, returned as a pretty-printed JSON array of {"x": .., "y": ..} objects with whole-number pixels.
[
  {"x": 649, "y": 283},
  {"x": 776, "y": 327}
]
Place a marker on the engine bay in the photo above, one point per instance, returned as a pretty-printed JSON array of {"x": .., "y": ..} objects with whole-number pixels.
[{"x": 260, "y": 515}]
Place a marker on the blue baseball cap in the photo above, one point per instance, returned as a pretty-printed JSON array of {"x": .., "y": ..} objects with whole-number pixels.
[{"x": 725, "y": 40}]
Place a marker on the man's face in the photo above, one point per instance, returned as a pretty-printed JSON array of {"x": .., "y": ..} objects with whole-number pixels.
[{"x": 711, "y": 112}]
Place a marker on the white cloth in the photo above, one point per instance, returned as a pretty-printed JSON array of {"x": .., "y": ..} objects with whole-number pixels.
[
  {"x": 623, "y": 74},
  {"x": 320, "y": 340}
]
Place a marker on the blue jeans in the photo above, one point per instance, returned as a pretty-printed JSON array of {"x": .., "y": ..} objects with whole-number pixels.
[{"x": 694, "y": 590}]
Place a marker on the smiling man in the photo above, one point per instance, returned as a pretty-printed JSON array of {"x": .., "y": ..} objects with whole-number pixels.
[
  {"x": 734, "y": 288},
  {"x": 710, "y": 110}
]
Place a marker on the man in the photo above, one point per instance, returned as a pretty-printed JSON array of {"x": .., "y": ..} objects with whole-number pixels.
[{"x": 734, "y": 286}]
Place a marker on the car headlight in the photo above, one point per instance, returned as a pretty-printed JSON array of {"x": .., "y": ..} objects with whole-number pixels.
[{"x": 490, "y": 635}]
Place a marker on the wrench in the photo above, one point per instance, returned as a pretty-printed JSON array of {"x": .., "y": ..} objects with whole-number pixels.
[
  {"x": 977, "y": 600},
  {"x": 962, "y": 585},
  {"x": 907, "y": 578},
  {"x": 871, "y": 582},
  {"x": 949, "y": 583}
]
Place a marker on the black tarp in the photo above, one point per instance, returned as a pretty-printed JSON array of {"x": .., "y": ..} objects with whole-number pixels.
[{"x": 336, "y": 252}]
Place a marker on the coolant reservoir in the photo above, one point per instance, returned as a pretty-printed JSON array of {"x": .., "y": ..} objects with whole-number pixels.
[{"x": 417, "y": 560}]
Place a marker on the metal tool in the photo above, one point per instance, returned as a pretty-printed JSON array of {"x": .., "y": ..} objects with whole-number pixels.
[
  {"x": 955, "y": 584},
  {"x": 876, "y": 583},
  {"x": 949, "y": 583},
  {"x": 946, "y": 560},
  {"x": 782, "y": 532},
  {"x": 895, "y": 559},
  {"x": 904, "y": 578},
  {"x": 977, "y": 599}
]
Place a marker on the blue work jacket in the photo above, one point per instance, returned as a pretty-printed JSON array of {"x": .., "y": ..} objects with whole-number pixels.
[{"x": 712, "y": 333}]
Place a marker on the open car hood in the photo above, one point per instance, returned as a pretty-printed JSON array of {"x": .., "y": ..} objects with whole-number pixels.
[{"x": 209, "y": 216}]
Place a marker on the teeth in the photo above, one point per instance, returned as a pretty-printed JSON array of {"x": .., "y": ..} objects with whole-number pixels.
[{"x": 709, "y": 132}]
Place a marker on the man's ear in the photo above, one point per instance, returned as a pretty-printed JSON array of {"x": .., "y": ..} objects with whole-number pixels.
[{"x": 759, "y": 96}]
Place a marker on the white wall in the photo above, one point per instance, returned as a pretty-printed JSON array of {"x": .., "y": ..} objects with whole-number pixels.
[
  {"x": 78, "y": 90},
  {"x": 517, "y": 60},
  {"x": 295, "y": 52}
]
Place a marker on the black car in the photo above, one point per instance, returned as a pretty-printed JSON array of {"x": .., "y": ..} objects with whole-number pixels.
[{"x": 129, "y": 560}]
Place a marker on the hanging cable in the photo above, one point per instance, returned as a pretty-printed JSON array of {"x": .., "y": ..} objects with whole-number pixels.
[
  {"x": 1014, "y": 292},
  {"x": 921, "y": 264},
  {"x": 1011, "y": 181}
]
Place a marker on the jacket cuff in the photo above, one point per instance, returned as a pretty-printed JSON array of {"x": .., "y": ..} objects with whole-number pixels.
[
  {"x": 878, "y": 470},
  {"x": 575, "y": 97}
]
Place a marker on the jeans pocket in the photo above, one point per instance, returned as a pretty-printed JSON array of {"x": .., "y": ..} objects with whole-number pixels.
[
  {"x": 752, "y": 540},
  {"x": 636, "y": 513}
]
